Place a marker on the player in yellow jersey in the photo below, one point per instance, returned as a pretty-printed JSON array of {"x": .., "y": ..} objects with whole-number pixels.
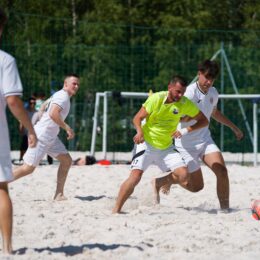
[{"x": 162, "y": 112}]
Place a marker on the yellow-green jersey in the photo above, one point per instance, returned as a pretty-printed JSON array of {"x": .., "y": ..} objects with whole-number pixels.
[{"x": 163, "y": 118}]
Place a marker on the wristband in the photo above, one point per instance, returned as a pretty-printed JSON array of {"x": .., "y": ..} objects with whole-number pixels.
[{"x": 184, "y": 131}]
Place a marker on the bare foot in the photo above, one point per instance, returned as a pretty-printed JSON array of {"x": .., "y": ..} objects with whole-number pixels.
[
  {"x": 156, "y": 190},
  {"x": 115, "y": 211},
  {"x": 165, "y": 189},
  {"x": 7, "y": 250},
  {"x": 59, "y": 197}
]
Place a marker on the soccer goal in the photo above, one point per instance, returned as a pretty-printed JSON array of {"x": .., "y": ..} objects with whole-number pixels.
[{"x": 119, "y": 109}]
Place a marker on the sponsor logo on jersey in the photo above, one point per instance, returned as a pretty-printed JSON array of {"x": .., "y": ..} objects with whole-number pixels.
[
  {"x": 211, "y": 100},
  {"x": 175, "y": 111}
]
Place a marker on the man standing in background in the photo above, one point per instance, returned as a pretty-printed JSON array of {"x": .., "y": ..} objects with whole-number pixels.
[
  {"x": 10, "y": 92},
  {"x": 56, "y": 109}
]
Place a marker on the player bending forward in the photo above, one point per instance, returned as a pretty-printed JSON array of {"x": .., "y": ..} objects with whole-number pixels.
[{"x": 162, "y": 112}]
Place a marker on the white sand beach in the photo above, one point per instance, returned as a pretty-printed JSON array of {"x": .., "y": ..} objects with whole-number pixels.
[{"x": 184, "y": 226}]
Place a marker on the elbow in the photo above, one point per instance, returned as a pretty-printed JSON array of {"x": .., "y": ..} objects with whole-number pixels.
[
  {"x": 205, "y": 122},
  {"x": 134, "y": 120},
  {"x": 52, "y": 115},
  {"x": 12, "y": 101}
]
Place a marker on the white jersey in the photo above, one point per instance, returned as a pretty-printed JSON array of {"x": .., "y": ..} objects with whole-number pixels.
[
  {"x": 46, "y": 129},
  {"x": 206, "y": 103},
  {"x": 10, "y": 85}
]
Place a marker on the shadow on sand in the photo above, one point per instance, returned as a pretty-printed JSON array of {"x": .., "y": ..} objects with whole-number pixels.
[
  {"x": 74, "y": 250},
  {"x": 90, "y": 198}
]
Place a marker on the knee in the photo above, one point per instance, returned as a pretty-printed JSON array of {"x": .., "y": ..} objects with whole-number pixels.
[
  {"x": 135, "y": 178},
  {"x": 183, "y": 177},
  {"x": 197, "y": 188},
  {"x": 66, "y": 162},
  {"x": 222, "y": 172},
  {"x": 29, "y": 169}
]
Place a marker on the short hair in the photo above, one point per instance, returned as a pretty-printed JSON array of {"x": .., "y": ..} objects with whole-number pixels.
[
  {"x": 3, "y": 17},
  {"x": 209, "y": 68},
  {"x": 90, "y": 160},
  {"x": 71, "y": 75},
  {"x": 178, "y": 79},
  {"x": 31, "y": 99}
]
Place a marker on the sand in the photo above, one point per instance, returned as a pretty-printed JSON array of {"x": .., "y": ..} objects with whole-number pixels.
[{"x": 184, "y": 226}]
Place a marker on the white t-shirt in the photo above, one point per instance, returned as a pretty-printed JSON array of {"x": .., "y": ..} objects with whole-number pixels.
[
  {"x": 206, "y": 103},
  {"x": 46, "y": 129},
  {"x": 10, "y": 85}
]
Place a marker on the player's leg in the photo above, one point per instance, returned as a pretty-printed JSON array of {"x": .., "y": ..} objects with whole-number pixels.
[
  {"x": 127, "y": 188},
  {"x": 216, "y": 163},
  {"x": 49, "y": 159},
  {"x": 31, "y": 158},
  {"x": 22, "y": 171},
  {"x": 23, "y": 147},
  {"x": 142, "y": 157},
  {"x": 58, "y": 150},
  {"x": 6, "y": 218},
  {"x": 65, "y": 164},
  {"x": 195, "y": 182},
  {"x": 172, "y": 161}
]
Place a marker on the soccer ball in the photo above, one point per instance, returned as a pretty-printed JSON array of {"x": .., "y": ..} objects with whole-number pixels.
[{"x": 256, "y": 209}]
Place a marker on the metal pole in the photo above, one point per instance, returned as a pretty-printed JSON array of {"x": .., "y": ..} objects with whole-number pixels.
[
  {"x": 239, "y": 101},
  {"x": 104, "y": 143},
  {"x": 222, "y": 101},
  {"x": 255, "y": 132},
  {"x": 94, "y": 129}
]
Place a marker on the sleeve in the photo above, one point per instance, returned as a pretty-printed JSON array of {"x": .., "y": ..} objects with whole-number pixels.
[
  {"x": 189, "y": 93},
  {"x": 190, "y": 108},
  {"x": 12, "y": 85},
  {"x": 149, "y": 103},
  {"x": 59, "y": 99}
]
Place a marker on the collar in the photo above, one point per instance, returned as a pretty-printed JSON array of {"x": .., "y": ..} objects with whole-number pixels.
[{"x": 200, "y": 90}]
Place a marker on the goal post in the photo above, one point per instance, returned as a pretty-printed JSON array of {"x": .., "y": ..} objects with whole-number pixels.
[{"x": 255, "y": 98}]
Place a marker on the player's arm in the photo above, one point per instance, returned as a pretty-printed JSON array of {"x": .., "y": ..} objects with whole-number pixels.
[
  {"x": 54, "y": 114},
  {"x": 202, "y": 121},
  {"x": 219, "y": 117},
  {"x": 137, "y": 121},
  {"x": 15, "y": 105},
  {"x": 185, "y": 119},
  {"x": 43, "y": 107}
]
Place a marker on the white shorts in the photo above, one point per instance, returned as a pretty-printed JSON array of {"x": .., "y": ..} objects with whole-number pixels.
[
  {"x": 167, "y": 160},
  {"x": 5, "y": 168},
  {"x": 192, "y": 155},
  {"x": 34, "y": 155}
]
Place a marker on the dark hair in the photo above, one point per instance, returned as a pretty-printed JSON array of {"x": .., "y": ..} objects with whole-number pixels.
[
  {"x": 3, "y": 17},
  {"x": 71, "y": 75},
  {"x": 178, "y": 79},
  {"x": 90, "y": 160},
  {"x": 209, "y": 68},
  {"x": 31, "y": 99}
]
